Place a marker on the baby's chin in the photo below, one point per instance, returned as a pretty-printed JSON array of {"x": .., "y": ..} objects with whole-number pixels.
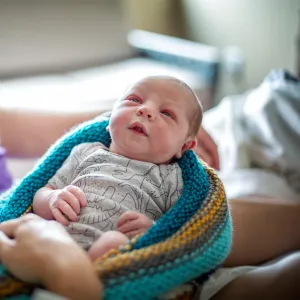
[
  {"x": 137, "y": 151},
  {"x": 152, "y": 158},
  {"x": 145, "y": 157}
]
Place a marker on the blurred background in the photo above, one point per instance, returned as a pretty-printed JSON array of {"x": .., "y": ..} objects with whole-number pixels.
[
  {"x": 57, "y": 36},
  {"x": 65, "y": 61}
]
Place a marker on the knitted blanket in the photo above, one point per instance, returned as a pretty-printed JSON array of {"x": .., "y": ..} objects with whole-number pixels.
[{"x": 191, "y": 240}]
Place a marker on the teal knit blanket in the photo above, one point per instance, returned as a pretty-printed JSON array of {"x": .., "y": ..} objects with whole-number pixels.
[{"x": 192, "y": 239}]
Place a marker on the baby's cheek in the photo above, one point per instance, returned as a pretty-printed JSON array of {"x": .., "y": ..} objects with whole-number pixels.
[
  {"x": 166, "y": 143},
  {"x": 118, "y": 121}
]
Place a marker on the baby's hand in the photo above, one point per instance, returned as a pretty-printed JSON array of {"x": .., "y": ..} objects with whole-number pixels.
[
  {"x": 65, "y": 204},
  {"x": 132, "y": 223}
]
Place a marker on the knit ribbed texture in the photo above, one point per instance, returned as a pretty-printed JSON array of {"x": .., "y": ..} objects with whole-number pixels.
[{"x": 190, "y": 240}]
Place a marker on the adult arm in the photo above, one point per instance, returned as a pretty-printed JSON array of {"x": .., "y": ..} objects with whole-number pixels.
[
  {"x": 34, "y": 131},
  {"x": 264, "y": 228},
  {"x": 207, "y": 149}
]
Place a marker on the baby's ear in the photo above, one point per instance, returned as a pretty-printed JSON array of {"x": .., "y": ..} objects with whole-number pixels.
[
  {"x": 107, "y": 128},
  {"x": 188, "y": 145}
]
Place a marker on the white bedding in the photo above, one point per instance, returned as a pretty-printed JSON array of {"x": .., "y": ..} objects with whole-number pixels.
[{"x": 87, "y": 89}]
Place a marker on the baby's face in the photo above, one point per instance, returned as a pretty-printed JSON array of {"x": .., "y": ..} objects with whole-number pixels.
[{"x": 151, "y": 121}]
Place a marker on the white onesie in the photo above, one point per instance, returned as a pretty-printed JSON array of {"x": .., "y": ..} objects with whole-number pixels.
[{"x": 114, "y": 184}]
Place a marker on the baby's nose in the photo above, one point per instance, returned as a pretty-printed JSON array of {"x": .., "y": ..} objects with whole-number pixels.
[{"x": 146, "y": 112}]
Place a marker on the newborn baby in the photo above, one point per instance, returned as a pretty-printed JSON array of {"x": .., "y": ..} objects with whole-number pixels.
[{"x": 104, "y": 196}]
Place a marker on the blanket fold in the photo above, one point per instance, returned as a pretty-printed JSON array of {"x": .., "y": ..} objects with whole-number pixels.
[{"x": 192, "y": 239}]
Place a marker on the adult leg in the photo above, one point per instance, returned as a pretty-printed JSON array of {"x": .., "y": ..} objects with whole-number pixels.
[
  {"x": 264, "y": 228},
  {"x": 277, "y": 281}
]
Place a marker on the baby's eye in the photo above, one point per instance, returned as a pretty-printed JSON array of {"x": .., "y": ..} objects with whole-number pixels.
[
  {"x": 166, "y": 113},
  {"x": 136, "y": 100}
]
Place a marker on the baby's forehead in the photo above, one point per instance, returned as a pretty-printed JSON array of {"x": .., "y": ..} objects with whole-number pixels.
[
  {"x": 165, "y": 83},
  {"x": 160, "y": 79},
  {"x": 175, "y": 88}
]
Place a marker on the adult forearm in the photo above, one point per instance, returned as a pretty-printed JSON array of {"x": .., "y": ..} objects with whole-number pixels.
[
  {"x": 76, "y": 281},
  {"x": 41, "y": 202},
  {"x": 273, "y": 224}
]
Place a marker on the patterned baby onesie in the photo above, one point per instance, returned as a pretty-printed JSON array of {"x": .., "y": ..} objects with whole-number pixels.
[{"x": 114, "y": 184}]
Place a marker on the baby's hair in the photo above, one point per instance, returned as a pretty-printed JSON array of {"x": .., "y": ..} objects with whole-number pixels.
[{"x": 196, "y": 118}]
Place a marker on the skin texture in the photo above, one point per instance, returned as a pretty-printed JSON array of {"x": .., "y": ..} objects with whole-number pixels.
[
  {"x": 163, "y": 108},
  {"x": 62, "y": 205},
  {"x": 264, "y": 228},
  {"x": 207, "y": 149},
  {"x": 132, "y": 223}
]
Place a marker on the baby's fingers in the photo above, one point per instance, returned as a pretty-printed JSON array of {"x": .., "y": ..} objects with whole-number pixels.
[
  {"x": 59, "y": 217},
  {"x": 126, "y": 217},
  {"x": 130, "y": 226},
  {"x": 78, "y": 193},
  {"x": 68, "y": 211},
  {"x": 66, "y": 196}
]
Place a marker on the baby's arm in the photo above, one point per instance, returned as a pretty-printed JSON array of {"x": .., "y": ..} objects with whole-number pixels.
[
  {"x": 41, "y": 199},
  {"x": 58, "y": 199},
  {"x": 62, "y": 205}
]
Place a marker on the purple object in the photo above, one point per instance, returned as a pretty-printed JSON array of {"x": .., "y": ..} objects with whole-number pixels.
[{"x": 5, "y": 178}]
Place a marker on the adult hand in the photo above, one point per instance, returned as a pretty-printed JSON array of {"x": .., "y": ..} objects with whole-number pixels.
[
  {"x": 207, "y": 149},
  {"x": 42, "y": 252}
]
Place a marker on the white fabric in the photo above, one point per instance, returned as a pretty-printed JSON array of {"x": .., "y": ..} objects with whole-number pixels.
[
  {"x": 40, "y": 294},
  {"x": 88, "y": 89},
  {"x": 259, "y": 129},
  {"x": 114, "y": 184}
]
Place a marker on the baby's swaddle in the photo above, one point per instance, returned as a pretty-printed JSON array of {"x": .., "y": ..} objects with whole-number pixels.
[{"x": 190, "y": 240}]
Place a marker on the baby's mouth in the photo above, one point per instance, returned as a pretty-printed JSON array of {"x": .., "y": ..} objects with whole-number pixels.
[{"x": 138, "y": 128}]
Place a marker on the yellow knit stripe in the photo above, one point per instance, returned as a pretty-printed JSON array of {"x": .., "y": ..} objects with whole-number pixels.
[
  {"x": 11, "y": 286},
  {"x": 173, "y": 243},
  {"x": 27, "y": 210},
  {"x": 143, "y": 254}
]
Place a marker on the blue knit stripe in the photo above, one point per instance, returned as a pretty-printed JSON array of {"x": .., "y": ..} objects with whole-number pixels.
[
  {"x": 20, "y": 297},
  {"x": 187, "y": 268},
  {"x": 154, "y": 280},
  {"x": 186, "y": 206}
]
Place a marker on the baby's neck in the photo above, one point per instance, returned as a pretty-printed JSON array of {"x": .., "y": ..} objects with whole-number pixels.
[{"x": 128, "y": 155}]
